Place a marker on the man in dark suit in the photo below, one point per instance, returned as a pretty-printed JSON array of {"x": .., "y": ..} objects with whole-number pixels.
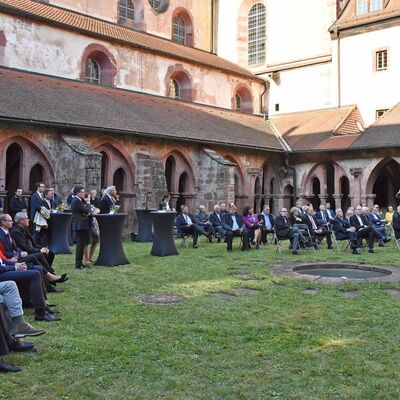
[
  {"x": 81, "y": 210},
  {"x": 216, "y": 221},
  {"x": 322, "y": 215},
  {"x": 284, "y": 230},
  {"x": 364, "y": 228},
  {"x": 185, "y": 224},
  {"x": 343, "y": 230},
  {"x": 17, "y": 203},
  {"x": 396, "y": 223},
  {"x": 267, "y": 223},
  {"x": 109, "y": 200},
  {"x": 379, "y": 224},
  {"x": 331, "y": 213},
  {"x": 36, "y": 200},
  {"x": 316, "y": 231},
  {"x": 234, "y": 226},
  {"x": 48, "y": 199},
  {"x": 24, "y": 242}
]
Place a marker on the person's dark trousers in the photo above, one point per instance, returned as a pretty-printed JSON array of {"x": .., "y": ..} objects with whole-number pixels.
[
  {"x": 231, "y": 234},
  {"x": 31, "y": 279},
  {"x": 4, "y": 350},
  {"x": 193, "y": 230},
  {"x": 82, "y": 239},
  {"x": 38, "y": 259},
  {"x": 327, "y": 235},
  {"x": 367, "y": 233},
  {"x": 264, "y": 233},
  {"x": 207, "y": 230}
]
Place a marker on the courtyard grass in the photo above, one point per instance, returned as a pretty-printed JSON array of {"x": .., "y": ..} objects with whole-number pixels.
[{"x": 278, "y": 343}]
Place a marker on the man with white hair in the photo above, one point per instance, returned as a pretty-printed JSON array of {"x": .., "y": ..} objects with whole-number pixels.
[
  {"x": 109, "y": 200},
  {"x": 363, "y": 228},
  {"x": 216, "y": 221}
]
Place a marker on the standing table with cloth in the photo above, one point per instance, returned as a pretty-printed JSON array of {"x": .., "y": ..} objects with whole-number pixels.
[
  {"x": 163, "y": 225},
  {"x": 111, "y": 247},
  {"x": 59, "y": 225},
  {"x": 145, "y": 229}
]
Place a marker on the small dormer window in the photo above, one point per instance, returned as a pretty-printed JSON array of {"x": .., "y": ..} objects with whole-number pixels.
[
  {"x": 362, "y": 7},
  {"x": 376, "y": 5}
]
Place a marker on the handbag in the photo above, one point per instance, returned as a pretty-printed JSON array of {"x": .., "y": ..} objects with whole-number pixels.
[{"x": 94, "y": 227}]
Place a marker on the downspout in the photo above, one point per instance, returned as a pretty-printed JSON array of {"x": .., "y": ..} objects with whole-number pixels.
[
  {"x": 262, "y": 97},
  {"x": 339, "y": 80},
  {"x": 212, "y": 27},
  {"x": 293, "y": 169}
]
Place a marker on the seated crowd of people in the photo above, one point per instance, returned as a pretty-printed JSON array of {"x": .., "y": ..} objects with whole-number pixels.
[
  {"x": 302, "y": 225},
  {"x": 27, "y": 274}
]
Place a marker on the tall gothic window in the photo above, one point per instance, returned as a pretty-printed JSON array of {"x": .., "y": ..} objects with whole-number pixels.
[
  {"x": 126, "y": 11},
  {"x": 238, "y": 103},
  {"x": 179, "y": 30},
  {"x": 92, "y": 71},
  {"x": 174, "y": 89},
  {"x": 257, "y": 34}
]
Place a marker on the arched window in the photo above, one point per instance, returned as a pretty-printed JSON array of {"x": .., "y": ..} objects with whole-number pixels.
[
  {"x": 119, "y": 179},
  {"x": 104, "y": 167},
  {"x": 36, "y": 175},
  {"x": 179, "y": 30},
  {"x": 13, "y": 167},
  {"x": 238, "y": 103},
  {"x": 257, "y": 34},
  {"x": 174, "y": 89},
  {"x": 243, "y": 100},
  {"x": 126, "y": 13},
  {"x": 92, "y": 71},
  {"x": 170, "y": 172},
  {"x": 155, "y": 4}
]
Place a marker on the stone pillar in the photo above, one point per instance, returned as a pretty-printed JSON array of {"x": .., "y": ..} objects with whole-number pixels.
[
  {"x": 355, "y": 188},
  {"x": 368, "y": 199}
]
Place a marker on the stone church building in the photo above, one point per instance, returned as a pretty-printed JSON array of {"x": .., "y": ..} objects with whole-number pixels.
[{"x": 256, "y": 102}]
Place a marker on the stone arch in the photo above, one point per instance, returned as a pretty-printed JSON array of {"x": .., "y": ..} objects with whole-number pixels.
[
  {"x": 105, "y": 60},
  {"x": 316, "y": 192},
  {"x": 183, "y": 78},
  {"x": 187, "y": 19},
  {"x": 119, "y": 179},
  {"x": 344, "y": 189},
  {"x": 138, "y": 20},
  {"x": 181, "y": 179},
  {"x": 36, "y": 175},
  {"x": 244, "y": 93},
  {"x": 383, "y": 182},
  {"x": 242, "y": 29},
  {"x": 32, "y": 152},
  {"x": 288, "y": 199}
]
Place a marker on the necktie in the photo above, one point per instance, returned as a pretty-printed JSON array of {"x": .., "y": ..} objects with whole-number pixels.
[
  {"x": 312, "y": 222},
  {"x": 9, "y": 238}
]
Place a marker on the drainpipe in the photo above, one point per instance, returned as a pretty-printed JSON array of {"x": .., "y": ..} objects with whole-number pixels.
[
  {"x": 293, "y": 169},
  {"x": 212, "y": 27},
  {"x": 262, "y": 97},
  {"x": 339, "y": 82}
]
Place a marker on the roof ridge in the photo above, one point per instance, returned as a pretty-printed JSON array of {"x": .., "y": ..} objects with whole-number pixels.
[{"x": 310, "y": 111}]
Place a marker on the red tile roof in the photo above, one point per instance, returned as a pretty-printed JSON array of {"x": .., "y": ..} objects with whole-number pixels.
[
  {"x": 33, "y": 98},
  {"x": 108, "y": 31},
  {"x": 333, "y": 128}
]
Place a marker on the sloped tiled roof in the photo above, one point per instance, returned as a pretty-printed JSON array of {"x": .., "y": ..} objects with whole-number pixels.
[
  {"x": 349, "y": 19},
  {"x": 108, "y": 31},
  {"x": 384, "y": 133},
  {"x": 325, "y": 129},
  {"x": 33, "y": 98}
]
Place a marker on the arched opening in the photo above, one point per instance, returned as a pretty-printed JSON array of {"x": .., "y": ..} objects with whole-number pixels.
[
  {"x": 35, "y": 176},
  {"x": 92, "y": 71},
  {"x": 13, "y": 168},
  {"x": 330, "y": 184},
  {"x": 288, "y": 200},
  {"x": 344, "y": 186},
  {"x": 386, "y": 184},
  {"x": 243, "y": 100},
  {"x": 170, "y": 172},
  {"x": 272, "y": 185},
  {"x": 104, "y": 169},
  {"x": 256, "y": 39},
  {"x": 119, "y": 180},
  {"x": 182, "y": 190},
  {"x": 316, "y": 191},
  {"x": 179, "y": 86},
  {"x": 182, "y": 28},
  {"x": 98, "y": 65},
  {"x": 126, "y": 13},
  {"x": 257, "y": 192}
]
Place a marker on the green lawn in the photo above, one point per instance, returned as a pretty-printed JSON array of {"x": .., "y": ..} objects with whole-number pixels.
[{"x": 279, "y": 343}]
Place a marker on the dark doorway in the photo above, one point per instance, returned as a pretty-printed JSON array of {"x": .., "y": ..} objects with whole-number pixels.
[
  {"x": 345, "y": 201},
  {"x": 119, "y": 180},
  {"x": 257, "y": 193},
  {"x": 104, "y": 168},
  {"x": 169, "y": 172},
  {"x": 271, "y": 193},
  {"x": 387, "y": 184},
  {"x": 182, "y": 187},
  {"x": 35, "y": 176},
  {"x": 316, "y": 189},
  {"x": 288, "y": 200},
  {"x": 13, "y": 168}
]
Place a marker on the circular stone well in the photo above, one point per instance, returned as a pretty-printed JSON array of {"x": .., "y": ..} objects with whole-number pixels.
[{"x": 337, "y": 273}]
